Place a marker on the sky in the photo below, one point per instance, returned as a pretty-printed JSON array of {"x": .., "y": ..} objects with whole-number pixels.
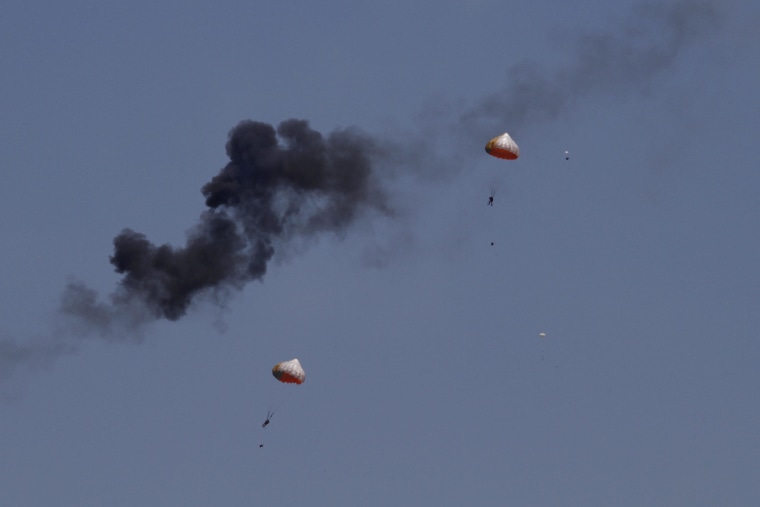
[{"x": 195, "y": 192}]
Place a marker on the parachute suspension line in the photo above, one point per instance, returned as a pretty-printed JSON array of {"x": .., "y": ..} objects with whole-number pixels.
[
  {"x": 274, "y": 398},
  {"x": 287, "y": 372}
]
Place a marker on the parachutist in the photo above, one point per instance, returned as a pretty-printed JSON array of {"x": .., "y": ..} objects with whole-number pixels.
[
  {"x": 261, "y": 445},
  {"x": 287, "y": 372},
  {"x": 490, "y": 197}
]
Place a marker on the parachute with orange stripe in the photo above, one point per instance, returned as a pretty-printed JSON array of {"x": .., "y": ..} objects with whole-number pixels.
[
  {"x": 289, "y": 372},
  {"x": 503, "y": 146}
]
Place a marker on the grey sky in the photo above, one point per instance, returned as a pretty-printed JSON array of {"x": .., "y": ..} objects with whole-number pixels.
[{"x": 417, "y": 318}]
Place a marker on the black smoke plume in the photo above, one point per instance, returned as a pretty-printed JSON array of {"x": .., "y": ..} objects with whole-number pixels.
[{"x": 277, "y": 184}]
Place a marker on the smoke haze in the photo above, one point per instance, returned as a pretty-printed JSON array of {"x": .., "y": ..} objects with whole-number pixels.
[{"x": 292, "y": 181}]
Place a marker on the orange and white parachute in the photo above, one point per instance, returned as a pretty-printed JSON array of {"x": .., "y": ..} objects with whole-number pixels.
[
  {"x": 289, "y": 372},
  {"x": 503, "y": 146}
]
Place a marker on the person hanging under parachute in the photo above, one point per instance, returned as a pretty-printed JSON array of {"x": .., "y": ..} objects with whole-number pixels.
[
  {"x": 287, "y": 372},
  {"x": 505, "y": 148},
  {"x": 270, "y": 413}
]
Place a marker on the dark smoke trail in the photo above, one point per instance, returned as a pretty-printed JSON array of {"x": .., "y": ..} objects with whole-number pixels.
[
  {"x": 293, "y": 182},
  {"x": 277, "y": 184},
  {"x": 37, "y": 354},
  {"x": 605, "y": 63}
]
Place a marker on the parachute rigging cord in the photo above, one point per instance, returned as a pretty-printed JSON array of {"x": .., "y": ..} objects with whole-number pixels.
[
  {"x": 270, "y": 413},
  {"x": 287, "y": 372}
]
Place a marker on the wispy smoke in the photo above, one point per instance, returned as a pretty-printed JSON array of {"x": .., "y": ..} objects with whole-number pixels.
[
  {"x": 294, "y": 182},
  {"x": 33, "y": 354},
  {"x": 616, "y": 62}
]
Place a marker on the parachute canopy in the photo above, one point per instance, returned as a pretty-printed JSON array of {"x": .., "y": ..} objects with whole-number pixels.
[
  {"x": 503, "y": 146},
  {"x": 289, "y": 372}
]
